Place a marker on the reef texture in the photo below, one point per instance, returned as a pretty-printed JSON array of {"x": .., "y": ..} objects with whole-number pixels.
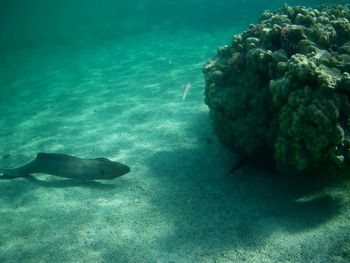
[{"x": 283, "y": 86}]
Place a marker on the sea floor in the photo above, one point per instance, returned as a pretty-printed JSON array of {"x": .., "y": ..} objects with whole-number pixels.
[{"x": 121, "y": 99}]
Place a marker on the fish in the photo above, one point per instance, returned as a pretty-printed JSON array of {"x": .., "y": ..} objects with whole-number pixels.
[
  {"x": 67, "y": 166},
  {"x": 238, "y": 165},
  {"x": 186, "y": 88},
  {"x": 263, "y": 161}
]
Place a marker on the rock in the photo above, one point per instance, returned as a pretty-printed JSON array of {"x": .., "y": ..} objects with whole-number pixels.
[{"x": 283, "y": 87}]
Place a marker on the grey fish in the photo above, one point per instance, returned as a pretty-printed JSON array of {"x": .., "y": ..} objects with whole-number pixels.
[
  {"x": 262, "y": 161},
  {"x": 238, "y": 165},
  {"x": 67, "y": 166}
]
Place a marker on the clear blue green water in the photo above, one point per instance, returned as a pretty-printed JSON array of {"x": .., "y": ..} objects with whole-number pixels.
[{"x": 105, "y": 79}]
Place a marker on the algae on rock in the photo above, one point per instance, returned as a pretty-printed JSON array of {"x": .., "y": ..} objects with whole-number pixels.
[{"x": 283, "y": 87}]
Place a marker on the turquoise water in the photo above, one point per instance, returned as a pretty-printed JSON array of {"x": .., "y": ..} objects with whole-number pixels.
[{"x": 105, "y": 79}]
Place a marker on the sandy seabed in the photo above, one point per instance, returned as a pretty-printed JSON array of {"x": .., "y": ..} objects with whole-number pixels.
[{"x": 122, "y": 99}]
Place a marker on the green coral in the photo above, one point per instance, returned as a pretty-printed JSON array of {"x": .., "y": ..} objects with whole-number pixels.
[
  {"x": 308, "y": 126},
  {"x": 283, "y": 87}
]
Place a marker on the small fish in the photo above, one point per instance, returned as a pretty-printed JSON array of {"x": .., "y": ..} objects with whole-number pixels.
[
  {"x": 238, "y": 165},
  {"x": 186, "y": 88},
  {"x": 262, "y": 161}
]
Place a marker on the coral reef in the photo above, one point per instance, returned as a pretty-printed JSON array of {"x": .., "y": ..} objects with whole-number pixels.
[{"x": 283, "y": 86}]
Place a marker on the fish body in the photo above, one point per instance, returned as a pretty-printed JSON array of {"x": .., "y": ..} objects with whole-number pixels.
[
  {"x": 186, "y": 88},
  {"x": 238, "y": 165},
  {"x": 68, "y": 166}
]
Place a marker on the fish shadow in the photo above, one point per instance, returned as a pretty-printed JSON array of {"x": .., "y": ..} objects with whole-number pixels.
[{"x": 68, "y": 183}]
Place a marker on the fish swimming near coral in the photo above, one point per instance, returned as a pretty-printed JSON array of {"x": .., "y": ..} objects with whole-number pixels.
[
  {"x": 67, "y": 166},
  {"x": 263, "y": 161},
  {"x": 186, "y": 88},
  {"x": 238, "y": 165}
]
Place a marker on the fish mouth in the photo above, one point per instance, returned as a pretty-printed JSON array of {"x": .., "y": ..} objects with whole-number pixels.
[{"x": 126, "y": 169}]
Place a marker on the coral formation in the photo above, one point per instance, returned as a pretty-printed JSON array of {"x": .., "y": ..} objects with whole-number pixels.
[{"x": 283, "y": 87}]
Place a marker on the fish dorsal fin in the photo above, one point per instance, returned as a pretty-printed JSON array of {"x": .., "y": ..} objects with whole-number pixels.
[
  {"x": 50, "y": 156},
  {"x": 104, "y": 160}
]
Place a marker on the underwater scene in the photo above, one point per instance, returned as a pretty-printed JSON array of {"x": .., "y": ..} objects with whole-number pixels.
[{"x": 174, "y": 131}]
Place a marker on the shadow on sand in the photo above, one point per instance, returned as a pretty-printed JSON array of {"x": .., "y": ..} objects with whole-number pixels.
[
  {"x": 214, "y": 211},
  {"x": 211, "y": 211},
  {"x": 63, "y": 183}
]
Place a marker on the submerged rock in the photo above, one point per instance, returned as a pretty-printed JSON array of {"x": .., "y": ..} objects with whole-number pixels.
[{"x": 283, "y": 87}]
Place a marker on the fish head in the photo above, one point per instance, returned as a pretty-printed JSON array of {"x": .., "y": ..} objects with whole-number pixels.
[{"x": 110, "y": 170}]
